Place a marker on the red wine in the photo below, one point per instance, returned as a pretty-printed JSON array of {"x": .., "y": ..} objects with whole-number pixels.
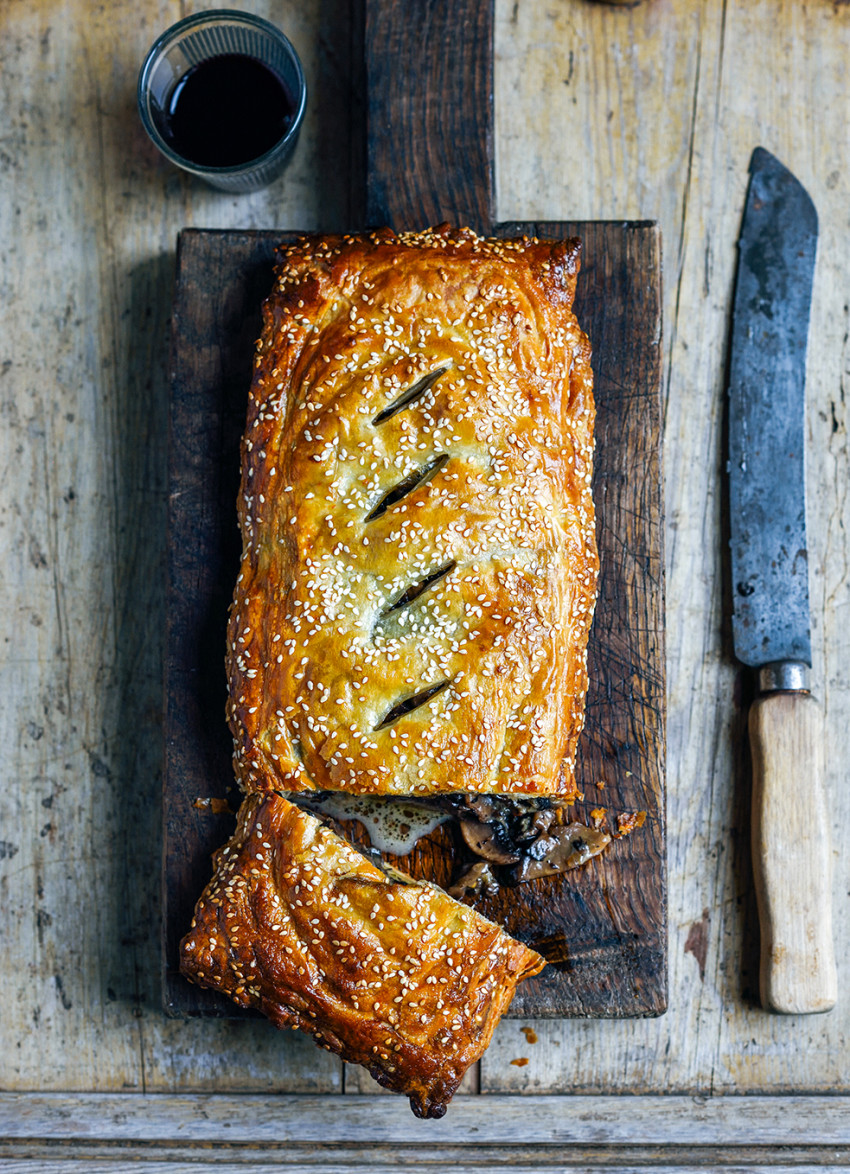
[{"x": 226, "y": 111}]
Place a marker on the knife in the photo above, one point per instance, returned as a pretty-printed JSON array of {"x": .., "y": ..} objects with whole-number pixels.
[{"x": 767, "y": 378}]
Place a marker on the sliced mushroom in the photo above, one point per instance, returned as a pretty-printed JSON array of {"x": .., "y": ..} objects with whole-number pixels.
[
  {"x": 564, "y": 847},
  {"x": 532, "y": 824},
  {"x": 489, "y": 840},
  {"x": 484, "y": 808},
  {"x": 475, "y": 881}
]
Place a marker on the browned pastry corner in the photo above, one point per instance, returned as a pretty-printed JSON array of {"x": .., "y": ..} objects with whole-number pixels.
[
  {"x": 385, "y": 971},
  {"x": 419, "y": 562}
]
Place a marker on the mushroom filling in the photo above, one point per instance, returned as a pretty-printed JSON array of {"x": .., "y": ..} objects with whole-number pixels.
[
  {"x": 477, "y": 881},
  {"x": 564, "y": 847},
  {"x": 505, "y": 839},
  {"x": 521, "y": 839}
]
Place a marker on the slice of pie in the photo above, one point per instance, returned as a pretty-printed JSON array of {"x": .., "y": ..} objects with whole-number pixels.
[{"x": 387, "y": 972}]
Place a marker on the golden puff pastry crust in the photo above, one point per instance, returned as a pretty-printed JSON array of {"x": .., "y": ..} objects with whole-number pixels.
[
  {"x": 387, "y": 972},
  {"x": 419, "y": 560}
]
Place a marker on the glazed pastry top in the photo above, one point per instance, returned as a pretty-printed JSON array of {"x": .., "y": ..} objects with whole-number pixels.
[{"x": 419, "y": 561}]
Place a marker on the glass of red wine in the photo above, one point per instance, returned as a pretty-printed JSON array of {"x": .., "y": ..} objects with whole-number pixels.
[{"x": 222, "y": 94}]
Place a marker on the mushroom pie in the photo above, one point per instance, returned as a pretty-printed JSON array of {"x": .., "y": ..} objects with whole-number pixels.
[
  {"x": 411, "y": 617},
  {"x": 419, "y": 559}
]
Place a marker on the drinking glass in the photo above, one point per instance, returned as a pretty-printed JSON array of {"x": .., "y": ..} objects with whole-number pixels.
[{"x": 198, "y": 38}]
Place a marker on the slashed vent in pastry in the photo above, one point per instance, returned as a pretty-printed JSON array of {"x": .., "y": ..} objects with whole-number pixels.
[
  {"x": 419, "y": 564},
  {"x": 387, "y": 972}
]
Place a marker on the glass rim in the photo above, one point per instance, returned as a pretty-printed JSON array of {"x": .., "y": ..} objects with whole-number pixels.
[{"x": 210, "y": 16}]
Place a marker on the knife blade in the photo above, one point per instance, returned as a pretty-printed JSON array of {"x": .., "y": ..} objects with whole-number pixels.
[{"x": 771, "y": 623}]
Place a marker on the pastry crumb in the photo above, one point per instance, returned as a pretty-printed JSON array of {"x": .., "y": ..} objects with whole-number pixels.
[
  {"x": 216, "y": 806},
  {"x": 627, "y": 821}
]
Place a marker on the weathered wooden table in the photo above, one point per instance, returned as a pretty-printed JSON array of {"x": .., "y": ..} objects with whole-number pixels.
[{"x": 648, "y": 112}]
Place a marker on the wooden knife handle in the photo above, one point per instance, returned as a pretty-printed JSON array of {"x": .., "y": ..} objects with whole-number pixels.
[{"x": 792, "y": 854}]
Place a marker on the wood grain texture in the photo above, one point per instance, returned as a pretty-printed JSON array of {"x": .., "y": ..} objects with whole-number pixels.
[
  {"x": 429, "y": 122},
  {"x": 676, "y": 1160},
  {"x": 602, "y": 927},
  {"x": 753, "y": 1161},
  {"x": 352, "y": 1166},
  {"x": 535, "y": 1135},
  {"x": 600, "y": 1121},
  {"x": 792, "y": 855},
  {"x": 601, "y": 112}
]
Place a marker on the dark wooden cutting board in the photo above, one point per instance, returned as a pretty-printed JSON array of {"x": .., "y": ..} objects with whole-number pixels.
[{"x": 602, "y": 927}]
